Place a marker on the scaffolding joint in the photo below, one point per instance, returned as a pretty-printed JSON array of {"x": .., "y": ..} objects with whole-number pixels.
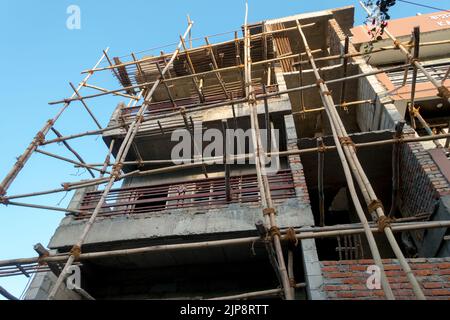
[
  {"x": 4, "y": 200},
  {"x": 444, "y": 92},
  {"x": 269, "y": 211},
  {"x": 374, "y": 205},
  {"x": 75, "y": 252},
  {"x": 291, "y": 237},
  {"x": 384, "y": 222}
]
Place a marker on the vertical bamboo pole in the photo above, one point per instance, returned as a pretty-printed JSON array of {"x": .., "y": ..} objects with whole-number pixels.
[
  {"x": 40, "y": 137},
  {"x": 396, "y": 167},
  {"x": 123, "y": 151},
  {"x": 259, "y": 163},
  {"x": 329, "y": 108},
  {"x": 372, "y": 201},
  {"x": 320, "y": 167}
]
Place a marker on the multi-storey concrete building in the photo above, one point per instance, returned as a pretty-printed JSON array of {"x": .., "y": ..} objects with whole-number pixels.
[{"x": 203, "y": 224}]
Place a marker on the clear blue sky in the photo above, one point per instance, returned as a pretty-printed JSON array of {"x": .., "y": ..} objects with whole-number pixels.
[{"x": 39, "y": 56}]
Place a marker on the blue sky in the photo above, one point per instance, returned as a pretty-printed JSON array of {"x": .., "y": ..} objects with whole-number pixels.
[{"x": 39, "y": 56}]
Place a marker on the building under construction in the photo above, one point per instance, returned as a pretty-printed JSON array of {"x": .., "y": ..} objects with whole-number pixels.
[{"x": 356, "y": 131}]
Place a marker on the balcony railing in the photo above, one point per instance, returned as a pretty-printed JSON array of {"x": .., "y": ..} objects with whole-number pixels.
[{"x": 203, "y": 194}]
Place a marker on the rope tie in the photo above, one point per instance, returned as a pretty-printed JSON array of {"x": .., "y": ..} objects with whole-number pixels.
[
  {"x": 2, "y": 191},
  {"x": 346, "y": 141},
  {"x": 50, "y": 122},
  {"x": 274, "y": 231},
  {"x": 140, "y": 119},
  {"x": 292, "y": 282},
  {"x": 384, "y": 222},
  {"x": 66, "y": 186},
  {"x": 75, "y": 252},
  {"x": 116, "y": 171},
  {"x": 40, "y": 138},
  {"x": 42, "y": 257},
  {"x": 327, "y": 93},
  {"x": 319, "y": 81},
  {"x": 444, "y": 92},
  {"x": 268, "y": 211},
  {"x": 374, "y": 205},
  {"x": 291, "y": 237},
  {"x": 397, "y": 44},
  {"x": 4, "y": 201},
  {"x": 413, "y": 60}
]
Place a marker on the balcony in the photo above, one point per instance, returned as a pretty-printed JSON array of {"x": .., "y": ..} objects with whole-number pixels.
[{"x": 201, "y": 195}]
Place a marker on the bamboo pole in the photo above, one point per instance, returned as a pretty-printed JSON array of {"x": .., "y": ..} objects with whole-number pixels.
[
  {"x": 122, "y": 153},
  {"x": 40, "y": 137},
  {"x": 83, "y": 134},
  {"x": 396, "y": 167},
  {"x": 416, "y": 114},
  {"x": 324, "y": 92},
  {"x": 85, "y": 105},
  {"x": 87, "y": 85},
  {"x": 320, "y": 168},
  {"x": 374, "y": 205},
  {"x": 266, "y": 198},
  {"x": 257, "y": 294},
  {"x": 59, "y": 135},
  {"x": 37, "y": 206},
  {"x": 86, "y": 183},
  {"x": 6, "y": 294},
  {"x": 79, "y": 164},
  {"x": 192, "y": 50},
  {"x": 310, "y": 233}
]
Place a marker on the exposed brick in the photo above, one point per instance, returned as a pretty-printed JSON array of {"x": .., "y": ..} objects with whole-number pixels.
[{"x": 432, "y": 285}]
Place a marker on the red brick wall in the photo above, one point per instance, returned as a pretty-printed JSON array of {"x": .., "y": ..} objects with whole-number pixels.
[{"x": 347, "y": 279}]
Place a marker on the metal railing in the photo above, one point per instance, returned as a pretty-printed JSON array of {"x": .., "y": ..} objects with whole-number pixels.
[{"x": 202, "y": 193}]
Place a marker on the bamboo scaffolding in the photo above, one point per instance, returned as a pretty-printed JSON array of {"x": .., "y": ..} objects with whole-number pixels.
[
  {"x": 208, "y": 160},
  {"x": 85, "y": 105},
  {"x": 192, "y": 50},
  {"x": 87, "y": 85},
  {"x": 443, "y": 92},
  {"x": 79, "y": 164},
  {"x": 329, "y": 105},
  {"x": 266, "y": 198},
  {"x": 341, "y": 137},
  {"x": 122, "y": 153},
  {"x": 40, "y": 136},
  {"x": 59, "y": 135},
  {"x": 310, "y": 233}
]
